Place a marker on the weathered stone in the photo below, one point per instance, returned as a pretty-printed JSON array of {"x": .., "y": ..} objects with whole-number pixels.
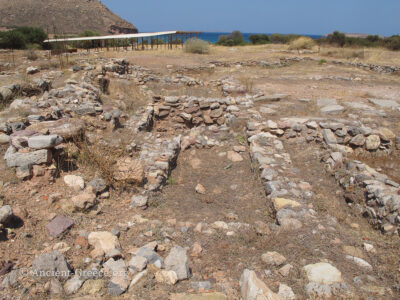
[
  {"x": 233, "y": 156},
  {"x": 119, "y": 282},
  {"x": 285, "y": 292},
  {"x": 19, "y": 139},
  {"x": 138, "y": 263},
  {"x": 332, "y": 109},
  {"x": 103, "y": 242},
  {"x": 252, "y": 288},
  {"x": 24, "y": 172},
  {"x": 74, "y": 181},
  {"x": 285, "y": 270},
  {"x": 84, "y": 200},
  {"x": 275, "y": 97},
  {"x": 177, "y": 261},
  {"x": 273, "y": 258},
  {"x": 200, "y": 189},
  {"x": 58, "y": 225},
  {"x": 129, "y": 170},
  {"x": 92, "y": 287},
  {"x": 325, "y": 102},
  {"x": 372, "y": 142},
  {"x": 280, "y": 203},
  {"x": 4, "y": 139},
  {"x": 38, "y": 157},
  {"x": 32, "y": 70},
  {"x": 48, "y": 265},
  {"x": 168, "y": 277},
  {"x": 6, "y": 214},
  {"x": 360, "y": 262},
  {"x": 44, "y": 141},
  {"x": 56, "y": 287},
  {"x": 6, "y": 94},
  {"x": 358, "y": 140},
  {"x": 99, "y": 185},
  {"x": 151, "y": 256},
  {"x": 138, "y": 201},
  {"x": 329, "y": 136},
  {"x": 323, "y": 273},
  {"x": 384, "y": 103},
  {"x": 73, "y": 285},
  {"x": 386, "y": 134},
  {"x": 66, "y": 128}
]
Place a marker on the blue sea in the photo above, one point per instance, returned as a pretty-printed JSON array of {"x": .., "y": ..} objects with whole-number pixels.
[{"x": 212, "y": 37}]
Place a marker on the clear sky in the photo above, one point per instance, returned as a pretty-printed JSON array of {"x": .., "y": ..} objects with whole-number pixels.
[{"x": 281, "y": 16}]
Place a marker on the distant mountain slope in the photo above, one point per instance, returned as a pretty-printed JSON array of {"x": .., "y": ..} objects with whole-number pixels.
[{"x": 66, "y": 16}]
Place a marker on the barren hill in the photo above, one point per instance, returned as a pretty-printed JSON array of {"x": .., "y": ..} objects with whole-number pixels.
[{"x": 63, "y": 16}]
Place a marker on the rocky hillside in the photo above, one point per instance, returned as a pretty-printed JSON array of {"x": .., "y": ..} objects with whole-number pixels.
[{"x": 63, "y": 16}]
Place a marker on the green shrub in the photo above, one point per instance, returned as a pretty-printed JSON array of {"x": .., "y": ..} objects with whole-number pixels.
[
  {"x": 393, "y": 42},
  {"x": 32, "y": 35},
  {"x": 336, "y": 38},
  {"x": 322, "y": 61},
  {"x": 21, "y": 37},
  {"x": 259, "y": 39},
  {"x": 12, "y": 40},
  {"x": 233, "y": 39},
  {"x": 277, "y": 38},
  {"x": 197, "y": 46}
]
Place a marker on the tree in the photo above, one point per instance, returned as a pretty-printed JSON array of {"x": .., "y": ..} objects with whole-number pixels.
[
  {"x": 233, "y": 39},
  {"x": 337, "y": 38}
]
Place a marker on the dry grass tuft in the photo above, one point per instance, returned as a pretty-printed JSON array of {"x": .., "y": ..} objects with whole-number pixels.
[
  {"x": 98, "y": 158},
  {"x": 248, "y": 82},
  {"x": 302, "y": 42},
  {"x": 197, "y": 46},
  {"x": 130, "y": 94}
]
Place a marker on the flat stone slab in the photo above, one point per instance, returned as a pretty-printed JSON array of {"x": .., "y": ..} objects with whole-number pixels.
[
  {"x": 58, "y": 225},
  {"x": 275, "y": 97},
  {"x": 326, "y": 101},
  {"x": 358, "y": 105},
  {"x": 332, "y": 109},
  {"x": 30, "y": 158},
  {"x": 384, "y": 103}
]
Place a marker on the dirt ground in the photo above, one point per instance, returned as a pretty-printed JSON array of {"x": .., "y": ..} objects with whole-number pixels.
[{"x": 234, "y": 191}]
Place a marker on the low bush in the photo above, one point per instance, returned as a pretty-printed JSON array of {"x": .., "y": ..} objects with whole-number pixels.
[
  {"x": 393, "y": 42},
  {"x": 197, "y": 46},
  {"x": 302, "y": 43},
  {"x": 31, "y": 54},
  {"x": 259, "y": 39},
  {"x": 12, "y": 40},
  {"x": 234, "y": 39},
  {"x": 336, "y": 38},
  {"x": 277, "y": 38},
  {"x": 22, "y": 37},
  {"x": 340, "y": 39}
]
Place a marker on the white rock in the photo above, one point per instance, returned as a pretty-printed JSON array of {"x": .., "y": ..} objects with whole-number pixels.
[
  {"x": 286, "y": 292},
  {"x": 138, "y": 263},
  {"x": 75, "y": 182},
  {"x": 360, "y": 262},
  {"x": 252, "y": 288},
  {"x": 323, "y": 273}
]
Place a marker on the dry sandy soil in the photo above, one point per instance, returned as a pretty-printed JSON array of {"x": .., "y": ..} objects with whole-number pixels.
[{"x": 234, "y": 190}]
